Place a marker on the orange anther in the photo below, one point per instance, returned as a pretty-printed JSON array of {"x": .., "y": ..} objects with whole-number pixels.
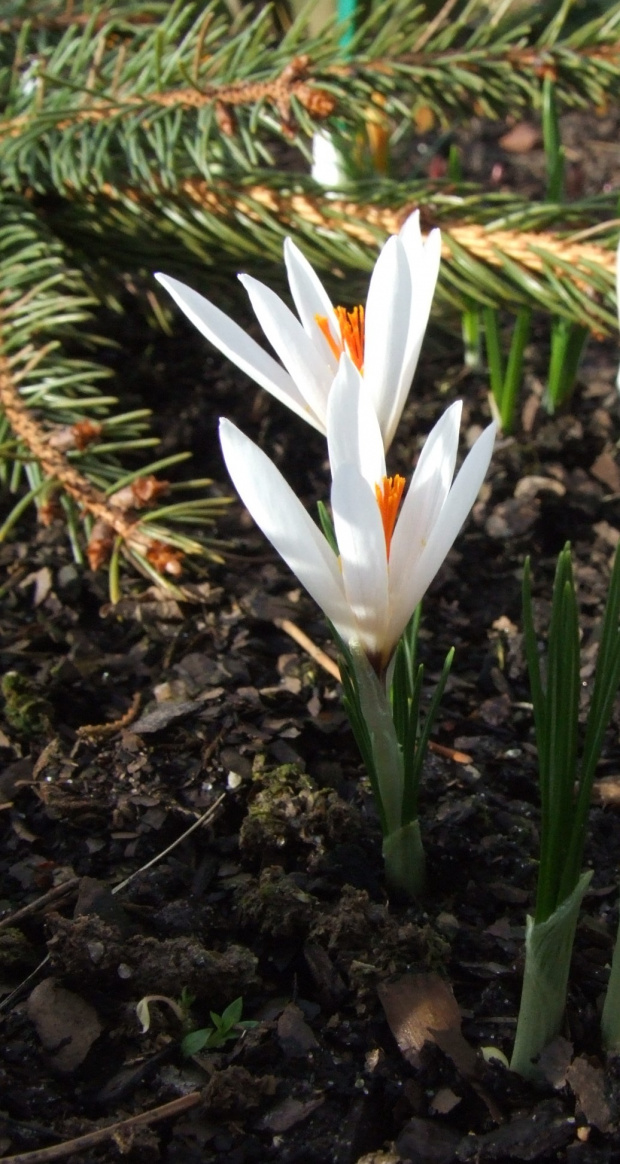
[
  {"x": 335, "y": 345},
  {"x": 351, "y": 338},
  {"x": 389, "y": 493},
  {"x": 352, "y": 332}
]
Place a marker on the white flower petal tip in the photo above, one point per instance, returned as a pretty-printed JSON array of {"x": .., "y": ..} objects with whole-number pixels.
[
  {"x": 410, "y": 231},
  {"x": 384, "y": 341}
]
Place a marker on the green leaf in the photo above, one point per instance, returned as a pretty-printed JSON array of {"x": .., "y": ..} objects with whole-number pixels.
[
  {"x": 232, "y": 1015},
  {"x": 196, "y": 1041}
]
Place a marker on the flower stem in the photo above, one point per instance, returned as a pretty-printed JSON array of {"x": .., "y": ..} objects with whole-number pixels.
[{"x": 387, "y": 757}]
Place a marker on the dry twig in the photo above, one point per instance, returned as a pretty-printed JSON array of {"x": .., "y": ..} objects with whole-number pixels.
[
  {"x": 34, "y": 906},
  {"x": 308, "y": 646},
  {"x": 121, "y": 1128},
  {"x": 98, "y": 731}
]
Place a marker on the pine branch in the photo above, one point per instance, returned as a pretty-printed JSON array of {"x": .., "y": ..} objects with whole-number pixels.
[
  {"x": 279, "y": 93},
  {"x": 53, "y": 463},
  {"x": 41, "y": 16},
  {"x": 116, "y": 526},
  {"x": 498, "y": 250},
  {"x": 201, "y": 92},
  {"x": 41, "y": 301},
  {"x": 106, "y": 118}
]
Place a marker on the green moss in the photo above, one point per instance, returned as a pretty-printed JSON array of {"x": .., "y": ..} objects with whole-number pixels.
[{"x": 25, "y": 710}]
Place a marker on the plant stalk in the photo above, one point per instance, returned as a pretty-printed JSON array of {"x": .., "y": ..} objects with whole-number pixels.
[{"x": 548, "y": 949}]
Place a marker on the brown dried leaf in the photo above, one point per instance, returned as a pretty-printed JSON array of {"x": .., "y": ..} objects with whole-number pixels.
[
  {"x": 588, "y": 1086},
  {"x": 65, "y": 1023},
  {"x": 166, "y": 713},
  {"x": 295, "y": 1036},
  {"x": 290, "y": 1112},
  {"x": 523, "y": 137},
  {"x": 444, "y": 1101},
  {"x": 607, "y": 470},
  {"x": 607, "y": 790},
  {"x": 421, "y": 1008},
  {"x": 42, "y": 580}
]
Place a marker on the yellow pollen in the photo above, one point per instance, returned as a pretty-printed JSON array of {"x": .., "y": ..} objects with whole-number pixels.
[
  {"x": 389, "y": 493},
  {"x": 351, "y": 325}
]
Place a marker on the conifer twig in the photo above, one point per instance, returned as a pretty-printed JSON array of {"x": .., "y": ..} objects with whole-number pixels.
[
  {"x": 362, "y": 221},
  {"x": 497, "y": 263},
  {"x": 111, "y": 521},
  {"x": 289, "y": 85},
  {"x": 54, "y": 463}
]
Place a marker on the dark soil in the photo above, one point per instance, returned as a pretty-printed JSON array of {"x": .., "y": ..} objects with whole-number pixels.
[{"x": 278, "y": 897}]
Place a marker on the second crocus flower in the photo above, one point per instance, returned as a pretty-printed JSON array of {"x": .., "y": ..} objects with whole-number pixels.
[{"x": 382, "y": 340}]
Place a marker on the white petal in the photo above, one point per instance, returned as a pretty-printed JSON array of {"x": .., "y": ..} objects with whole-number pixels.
[
  {"x": 311, "y": 299},
  {"x": 410, "y": 234},
  {"x": 424, "y": 270},
  {"x": 232, "y": 341},
  {"x": 353, "y": 433},
  {"x": 287, "y": 525},
  {"x": 387, "y": 327},
  {"x": 361, "y": 541},
  {"x": 426, "y": 494},
  {"x": 423, "y": 262},
  {"x": 456, "y": 508},
  {"x": 309, "y": 371}
]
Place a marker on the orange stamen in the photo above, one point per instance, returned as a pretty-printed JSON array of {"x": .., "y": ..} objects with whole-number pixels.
[
  {"x": 352, "y": 332},
  {"x": 388, "y": 495},
  {"x": 335, "y": 346},
  {"x": 351, "y": 324}
]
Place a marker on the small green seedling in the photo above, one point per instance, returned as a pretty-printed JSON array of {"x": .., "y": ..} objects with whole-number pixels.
[
  {"x": 179, "y": 1007},
  {"x": 226, "y": 1026}
]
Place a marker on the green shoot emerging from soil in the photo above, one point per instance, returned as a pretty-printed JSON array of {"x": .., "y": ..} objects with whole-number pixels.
[
  {"x": 566, "y": 772},
  {"x": 226, "y": 1027}
]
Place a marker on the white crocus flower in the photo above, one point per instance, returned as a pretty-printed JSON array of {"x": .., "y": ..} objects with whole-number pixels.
[
  {"x": 386, "y": 559},
  {"x": 383, "y": 341}
]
